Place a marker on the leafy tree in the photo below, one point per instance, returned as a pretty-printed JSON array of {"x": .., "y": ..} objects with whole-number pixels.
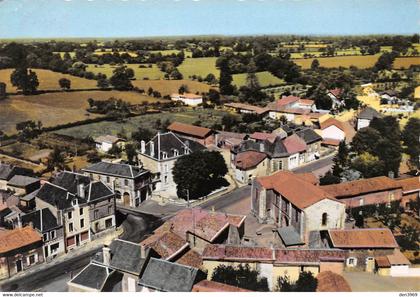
[
  {"x": 366, "y": 140},
  {"x": 199, "y": 173},
  {"x": 214, "y": 96},
  {"x": 142, "y": 134},
  {"x": 410, "y": 138},
  {"x": 25, "y": 80},
  {"x": 175, "y": 74},
  {"x": 329, "y": 178},
  {"x": 102, "y": 83},
  {"x": 385, "y": 61},
  {"x": 225, "y": 81},
  {"x": 64, "y": 83},
  {"x": 315, "y": 64},
  {"x": 368, "y": 165},
  {"x": 28, "y": 130},
  {"x": 211, "y": 79},
  {"x": 115, "y": 150},
  {"x": 305, "y": 283},
  {"x": 341, "y": 164},
  {"x": 121, "y": 78},
  {"x": 56, "y": 159},
  {"x": 131, "y": 153},
  {"x": 229, "y": 121},
  {"x": 241, "y": 276},
  {"x": 183, "y": 89}
]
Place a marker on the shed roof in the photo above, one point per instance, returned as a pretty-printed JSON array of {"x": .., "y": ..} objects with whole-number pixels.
[{"x": 186, "y": 129}]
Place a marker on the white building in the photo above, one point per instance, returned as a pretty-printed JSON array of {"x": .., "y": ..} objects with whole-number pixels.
[
  {"x": 188, "y": 99},
  {"x": 365, "y": 116},
  {"x": 105, "y": 142}
]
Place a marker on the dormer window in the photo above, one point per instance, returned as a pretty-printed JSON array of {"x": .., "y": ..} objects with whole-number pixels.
[
  {"x": 74, "y": 202},
  {"x": 176, "y": 153},
  {"x": 164, "y": 155},
  {"x": 186, "y": 151}
]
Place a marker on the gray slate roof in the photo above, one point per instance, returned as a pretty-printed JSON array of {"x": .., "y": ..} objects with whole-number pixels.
[
  {"x": 97, "y": 277},
  {"x": 122, "y": 170},
  {"x": 290, "y": 236},
  {"x": 70, "y": 180},
  {"x": 56, "y": 196},
  {"x": 274, "y": 150},
  {"x": 168, "y": 143},
  {"x": 7, "y": 171},
  {"x": 42, "y": 219},
  {"x": 22, "y": 181},
  {"x": 369, "y": 114},
  {"x": 126, "y": 256},
  {"x": 308, "y": 135},
  {"x": 166, "y": 276}
]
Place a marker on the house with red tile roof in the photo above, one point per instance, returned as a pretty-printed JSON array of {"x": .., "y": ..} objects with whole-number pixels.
[
  {"x": 202, "y": 135},
  {"x": 290, "y": 107},
  {"x": 410, "y": 190},
  {"x": 295, "y": 205},
  {"x": 363, "y": 245},
  {"x": 335, "y": 130},
  {"x": 245, "y": 108},
  {"x": 335, "y": 95},
  {"x": 274, "y": 262},
  {"x": 20, "y": 249},
  {"x": 248, "y": 165},
  {"x": 375, "y": 190},
  {"x": 194, "y": 228}
]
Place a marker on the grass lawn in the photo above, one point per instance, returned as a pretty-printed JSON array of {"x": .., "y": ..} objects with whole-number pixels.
[
  {"x": 48, "y": 80},
  {"x": 140, "y": 73},
  {"x": 167, "y": 87},
  {"x": 198, "y": 66},
  {"x": 207, "y": 117},
  {"x": 344, "y": 61},
  {"x": 13, "y": 161},
  {"x": 56, "y": 108},
  {"x": 265, "y": 79}
]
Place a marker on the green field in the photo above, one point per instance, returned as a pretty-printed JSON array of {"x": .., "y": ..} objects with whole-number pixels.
[
  {"x": 265, "y": 79},
  {"x": 198, "y": 66},
  {"x": 207, "y": 117},
  {"x": 140, "y": 73}
]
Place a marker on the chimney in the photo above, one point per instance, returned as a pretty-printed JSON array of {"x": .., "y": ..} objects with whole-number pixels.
[
  {"x": 81, "y": 190},
  {"x": 262, "y": 147},
  {"x": 143, "y": 146},
  {"x": 106, "y": 251},
  {"x": 19, "y": 221},
  {"x": 273, "y": 250},
  {"x": 152, "y": 148},
  {"x": 142, "y": 251}
]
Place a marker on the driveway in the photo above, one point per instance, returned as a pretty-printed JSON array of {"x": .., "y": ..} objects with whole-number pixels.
[{"x": 369, "y": 282}]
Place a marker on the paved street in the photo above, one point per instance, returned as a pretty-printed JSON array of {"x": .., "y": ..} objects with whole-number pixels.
[
  {"x": 369, "y": 282},
  {"x": 319, "y": 167}
]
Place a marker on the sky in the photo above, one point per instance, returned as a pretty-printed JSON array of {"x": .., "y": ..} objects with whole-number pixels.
[{"x": 145, "y": 18}]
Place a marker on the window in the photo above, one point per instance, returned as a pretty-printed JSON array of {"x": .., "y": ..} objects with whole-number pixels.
[
  {"x": 108, "y": 223},
  {"x": 81, "y": 211},
  {"x": 109, "y": 209},
  {"x": 107, "y": 179},
  {"x": 70, "y": 215},
  {"x": 52, "y": 234},
  {"x": 45, "y": 236},
  {"x": 176, "y": 153},
  {"x": 297, "y": 216},
  {"x": 361, "y": 202},
  {"x": 74, "y": 202},
  {"x": 352, "y": 261},
  {"x": 96, "y": 214},
  {"x": 164, "y": 155},
  {"x": 82, "y": 223},
  {"x": 71, "y": 227},
  {"x": 280, "y": 166},
  {"x": 324, "y": 219},
  {"x": 126, "y": 182},
  {"x": 31, "y": 259},
  {"x": 54, "y": 248}
]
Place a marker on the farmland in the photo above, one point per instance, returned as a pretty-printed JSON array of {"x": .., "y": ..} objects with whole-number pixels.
[
  {"x": 57, "y": 108},
  {"x": 207, "y": 118},
  {"x": 139, "y": 72},
  {"x": 48, "y": 80},
  {"x": 265, "y": 79},
  {"x": 166, "y": 87},
  {"x": 406, "y": 62},
  {"x": 198, "y": 66},
  {"x": 344, "y": 61}
]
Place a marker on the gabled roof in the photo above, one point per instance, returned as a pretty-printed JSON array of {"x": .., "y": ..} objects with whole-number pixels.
[
  {"x": 22, "y": 181},
  {"x": 369, "y": 113},
  {"x": 97, "y": 190},
  {"x": 18, "y": 238},
  {"x": 69, "y": 180},
  {"x": 256, "y": 109},
  {"x": 7, "y": 171},
  {"x": 115, "y": 169},
  {"x": 249, "y": 159},
  {"x": 298, "y": 191},
  {"x": 166, "y": 276},
  {"x": 332, "y": 122},
  {"x": 191, "y": 130},
  {"x": 336, "y": 92},
  {"x": 192, "y": 259},
  {"x": 126, "y": 256},
  {"x": 361, "y": 186},
  {"x": 363, "y": 238},
  {"x": 275, "y": 150},
  {"x": 56, "y": 196},
  {"x": 263, "y": 136},
  {"x": 187, "y": 96},
  {"x": 111, "y": 139},
  {"x": 96, "y": 277},
  {"x": 242, "y": 253},
  {"x": 168, "y": 245},
  {"x": 308, "y": 135},
  {"x": 294, "y": 144},
  {"x": 42, "y": 219},
  {"x": 411, "y": 184},
  {"x": 170, "y": 143}
]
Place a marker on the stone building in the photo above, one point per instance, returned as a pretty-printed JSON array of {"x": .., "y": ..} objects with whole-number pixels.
[{"x": 131, "y": 184}]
